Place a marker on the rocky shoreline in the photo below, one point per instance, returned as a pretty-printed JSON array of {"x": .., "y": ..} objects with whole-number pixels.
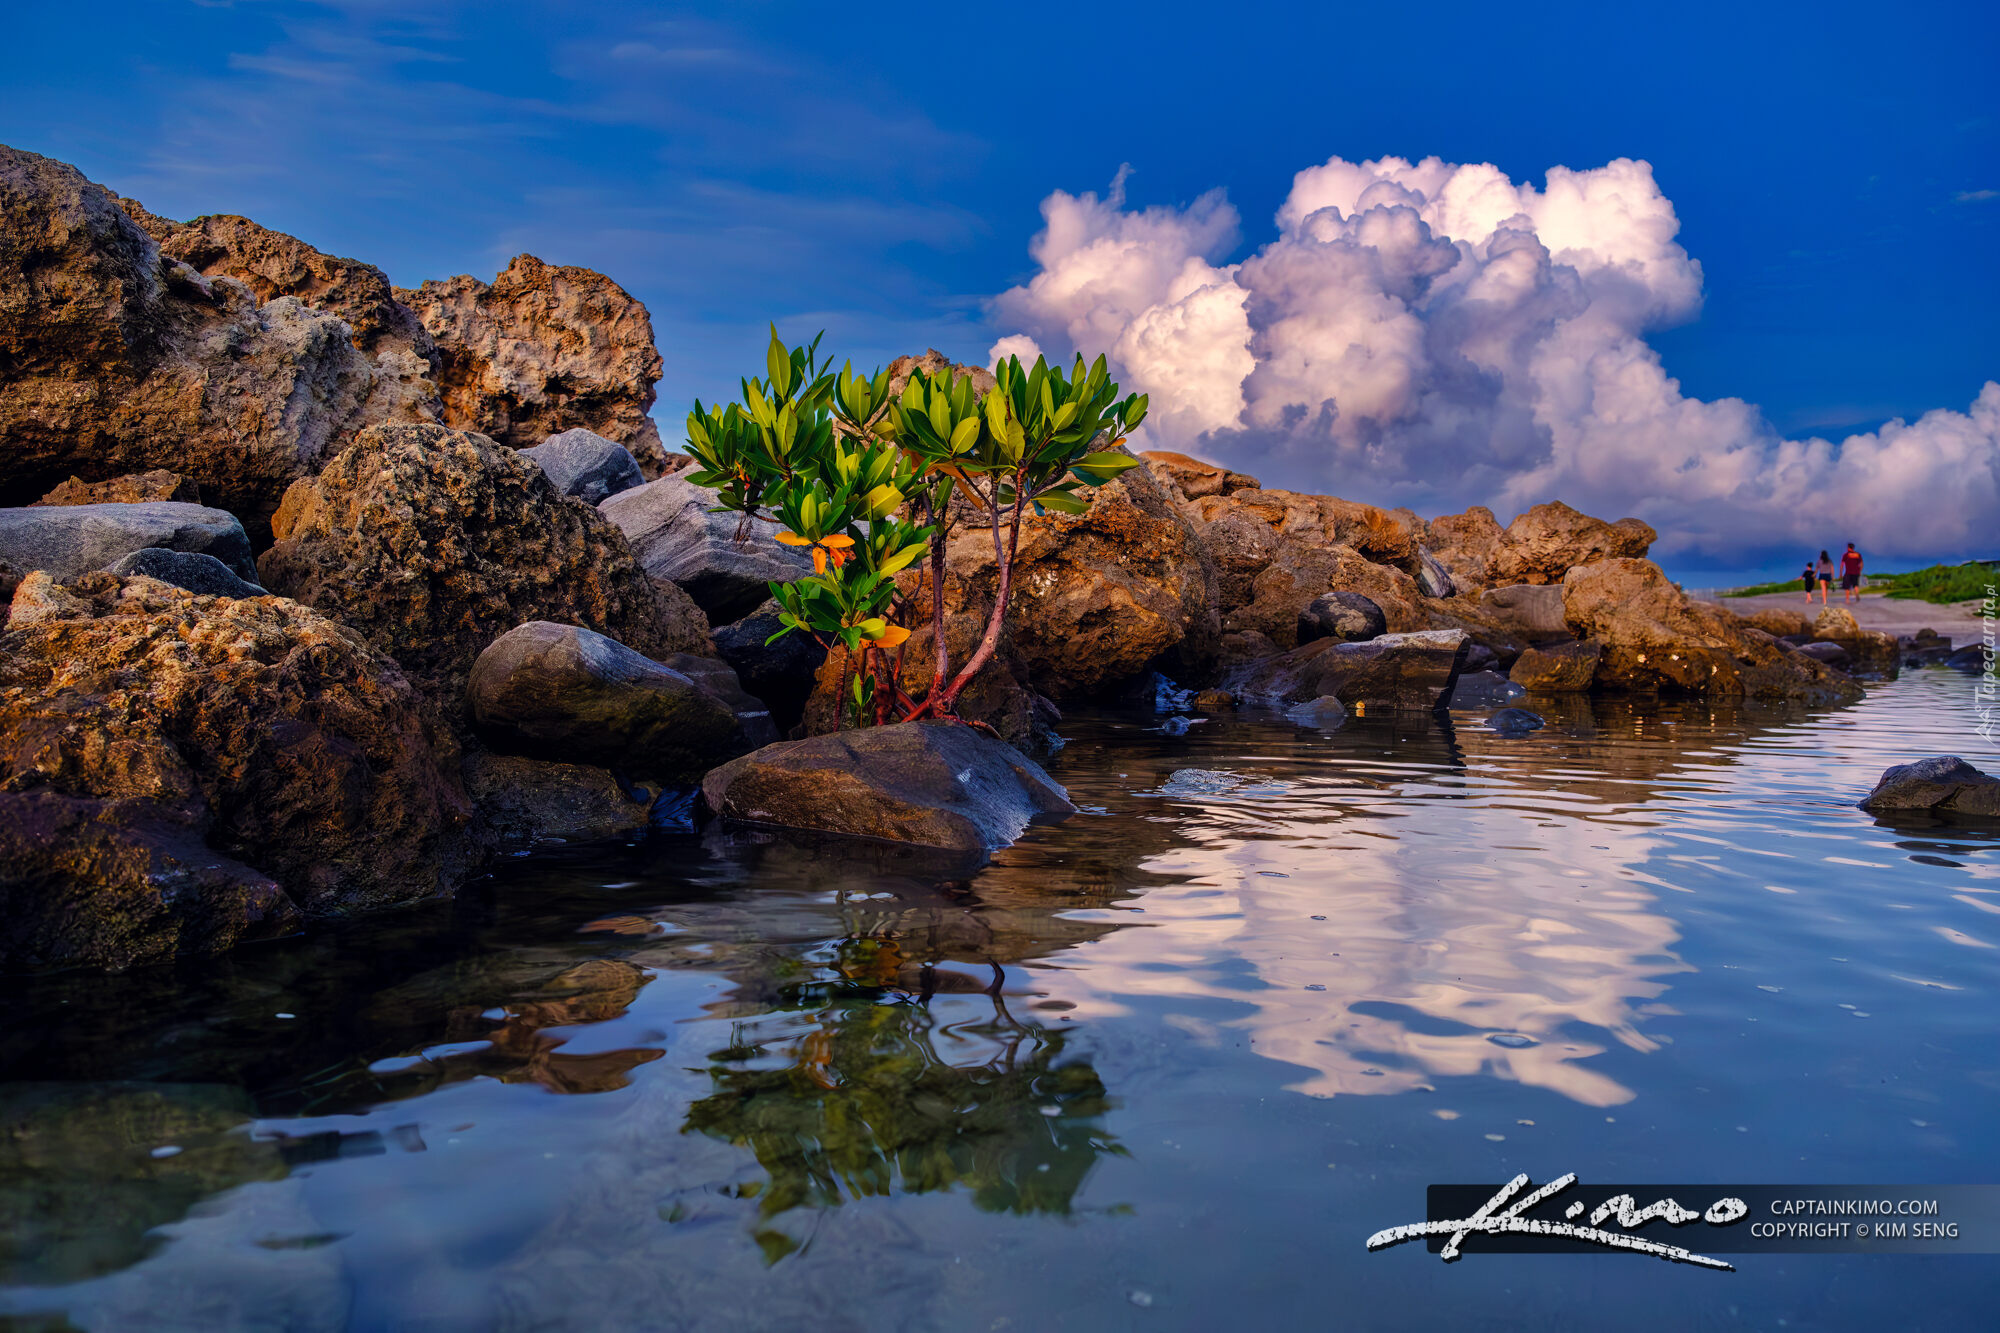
[{"x": 320, "y": 592}]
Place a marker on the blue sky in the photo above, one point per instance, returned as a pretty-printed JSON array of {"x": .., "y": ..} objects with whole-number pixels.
[{"x": 1835, "y": 168}]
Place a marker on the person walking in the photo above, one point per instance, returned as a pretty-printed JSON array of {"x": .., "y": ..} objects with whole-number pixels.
[
  {"x": 1825, "y": 572},
  {"x": 1806, "y": 577},
  {"x": 1850, "y": 575}
]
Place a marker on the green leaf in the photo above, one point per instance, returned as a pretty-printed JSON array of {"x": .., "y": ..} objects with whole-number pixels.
[
  {"x": 900, "y": 561},
  {"x": 1063, "y": 503},
  {"x": 964, "y": 435},
  {"x": 1105, "y": 466},
  {"x": 778, "y": 362}
]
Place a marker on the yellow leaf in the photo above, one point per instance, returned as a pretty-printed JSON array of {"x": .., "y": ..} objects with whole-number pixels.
[
  {"x": 892, "y": 636},
  {"x": 839, "y": 539},
  {"x": 793, "y": 539}
]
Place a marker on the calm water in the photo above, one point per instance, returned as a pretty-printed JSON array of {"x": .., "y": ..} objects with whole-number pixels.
[{"x": 1163, "y": 1066}]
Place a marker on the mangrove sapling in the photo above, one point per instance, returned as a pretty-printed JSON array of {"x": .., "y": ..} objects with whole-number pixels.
[{"x": 869, "y": 480}]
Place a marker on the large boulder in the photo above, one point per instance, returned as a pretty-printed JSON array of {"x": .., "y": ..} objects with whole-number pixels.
[
  {"x": 138, "y": 488},
  {"x": 116, "y": 359},
  {"x": 678, "y": 540},
  {"x": 1466, "y": 544},
  {"x": 1945, "y": 784},
  {"x": 1194, "y": 478},
  {"x": 434, "y": 542},
  {"x": 525, "y": 801},
  {"x": 1836, "y": 622},
  {"x": 1347, "y": 616},
  {"x": 1534, "y": 611},
  {"x": 543, "y": 348},
  {"x": 1658, "y": 640},
  {"x": 584, "y": 464},
  {"x": 67, "y": 540},
  {"x": 184, "y": 754},
  {"x": 1551, "y": 539},
  {"x": 1558, "y": 668},
  {"x": 1403, "y": 673},
  {"x": 191, "y": 570},
  {"x": 935, "y": 784},
  {"x": 1381, "y": 535},
  {"x": 272, "y": 264},
  {"x": 1777, "y": 621},
  {"x": 558, "y": 692},
  {"x": 1098, "y": 597},
  {"x": 782, "y": 672}
]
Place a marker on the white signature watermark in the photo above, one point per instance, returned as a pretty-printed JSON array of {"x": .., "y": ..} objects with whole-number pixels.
[
  {"x": 1624, "y": 1207},
  {"x": 1986, "y": 695}
]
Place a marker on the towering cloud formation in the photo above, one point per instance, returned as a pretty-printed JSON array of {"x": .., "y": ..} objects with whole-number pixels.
[{"x": 1436, "y": 335}]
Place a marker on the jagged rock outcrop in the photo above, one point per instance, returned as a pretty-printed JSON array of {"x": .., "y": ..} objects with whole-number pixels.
[
  {"x": 1347, "y": 616},
  {"x": 135, "y": 489},
  {"x": 1549, "y": 540},
  {"x": 435, "y": 542},
  {"x": 540, "y": 349},
  {"x": 66, "y": 540},
  {"x": 1195, "y": 479},
  {"x": 1558, "y": 668},
  {"x": 1097, "y": 597},
  {"x": 1657, "y": 639},
  {"x": 117, "y": 359},
  {"x": 1385, "y": 536},
  {"x": 561, "y": 693},
  {"x": 272, "y": 264},
  {"x": 934, "y": 784},
  {"x": 583, "y": 464},
  {"x": 182, "y": 772},
  {"x": 1778, "y": 622},
  {"x": 679, "y": 541},
  {"x": 1394, "y": 673}
]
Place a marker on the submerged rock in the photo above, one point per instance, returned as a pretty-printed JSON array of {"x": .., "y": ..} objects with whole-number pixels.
[
  {"x": 1325, "y": 713},
  {"x": 1483, "y": 689},
  {"x": 1944, "y": 784},
  {"x": 1396, "y": 672},
  {"x": 67, "y": 540},
  {"x": 432, "y": 541},
  {"x": 152, "y": 723},
  {"x": 1515, "y": 722},
  {"x": 678, "y": 540},
  {"x": 1558, "y": 668},
  {"x": 935, "y": 784},
  {"x": 191, "y": 570},
  {"x": 1347, "y": 616},
  {"x": 584, "y": 464},
  {"x": 1827, "y": 651},
  {"x": 559, "y": 692}
]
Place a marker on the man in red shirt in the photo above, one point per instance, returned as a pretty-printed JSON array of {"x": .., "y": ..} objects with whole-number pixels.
[{"x": 1850, "y": 574}]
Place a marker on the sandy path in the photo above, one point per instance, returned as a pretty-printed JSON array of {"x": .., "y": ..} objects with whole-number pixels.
[{"x": 1958, "y": 621}]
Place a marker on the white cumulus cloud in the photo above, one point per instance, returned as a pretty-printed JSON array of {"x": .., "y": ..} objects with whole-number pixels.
[{"x": 1437, "y": 335}]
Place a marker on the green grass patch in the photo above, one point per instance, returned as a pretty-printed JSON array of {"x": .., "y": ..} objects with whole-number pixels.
[
  {"x": 1943, "y": 584},
  {"x": 1765, "y": 589}
]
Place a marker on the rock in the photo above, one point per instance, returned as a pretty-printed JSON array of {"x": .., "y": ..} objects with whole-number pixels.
[
  {"x": 116, "y": 359},
  {"x": 1347, "y": 616},
  {"x": 525, "y": 801},
  {"x": 1325, "y": 713},
  {"x": 1657, "y": 639},
  {"x": 1548, "y": 541},
  {"x": 1433, "y": 579},
  {"x": 115, "y": 883},
  {"x": 678, "y": 540},
  {"x": 754, "y": 722},
  {"x": 584, "y": 464},
  {"x": 1243, "y": 646},
  {"x": 1194, "y": 478},
  {"x": 1836, "y": 622},
  {"x": 1466, "y": 543},
  {"x": 1559, "y": 668},
  {"x": 432, "y": 541},
  {"x": 1479, "y": 657},
  {"x": 930, "y": 363},
  {"x": 1533, "y": 611},
  {"x": 542, "y": 349},
  {"x": 1485, "y": 689},
  {"x": 1973, "y": 657},
  {"x": 191, "y": 570},
  {"x": 1098, "y": 597},
  {"x": 137, "y": 489},
  {"x": 1777, "y": 622},
  {"x": 558, "y": 692},
  {"x": 1515, "y": 722},
  {"x": 1919, "y": 650},
  {"x": 276, "y": 737},
  {"x": 1214, "y": 701},
  {"x": 272, "y": 265},
  {"x": 1395, "y": 673},
  {"x": 1945, "y": 784},
  {"x": 1826, "y": 651},
  {"x": 67, "y": 540},
  {"x": 10, "y": 579},
  {"x": 1380, "y": 535},
  {"x": 1873, "y": 655},
  {"x": 935, "y": 784},
  {"x": 783, "y": 673}
]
